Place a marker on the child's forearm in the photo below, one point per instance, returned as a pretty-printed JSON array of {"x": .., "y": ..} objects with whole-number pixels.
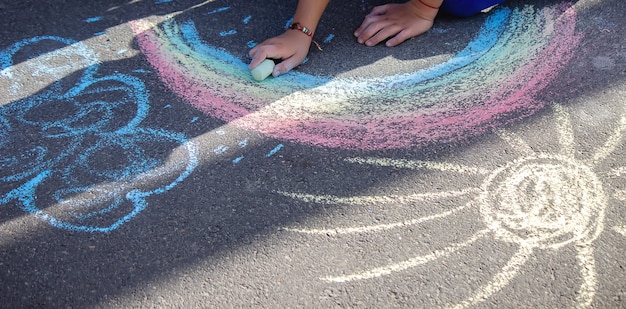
[
  {"x": 433, "y": 4},
  {"x": 309, "y": 12},
  {"x": 427, "y": 9}
]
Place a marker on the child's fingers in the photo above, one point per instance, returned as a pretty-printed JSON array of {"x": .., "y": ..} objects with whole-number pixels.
[
  {"x": 261, "y": 53},
  {"x": 410, "y": 32},
  {"x": 290, "y": 47},
  {"x": 257, "y": 54},
  {"x": 257, "y": 58},
  {"x": 368, "y": 28},
  {"x": 285, "y": 66},
  {"x": 370, "y": 19},
  {"x": 289, "y": 63},
  {"x": 399, "y": 38},
  {"x": 358, "y": 31},
  {"x": 383, "y": 34},
  {"x": 372, "y": 29},
  {"x": 379, "y": 10},
  {"x": 256, "y": 50}
]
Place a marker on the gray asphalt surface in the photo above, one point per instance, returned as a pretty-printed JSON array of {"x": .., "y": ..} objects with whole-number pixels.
[{"x": 480, "y": 165}]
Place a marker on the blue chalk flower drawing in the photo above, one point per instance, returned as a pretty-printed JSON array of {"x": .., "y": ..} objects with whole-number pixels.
[{"x": 73, "y": 153}]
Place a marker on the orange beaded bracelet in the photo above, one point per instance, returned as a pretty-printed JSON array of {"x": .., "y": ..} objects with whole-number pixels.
[{"x": 305, "y": 30}]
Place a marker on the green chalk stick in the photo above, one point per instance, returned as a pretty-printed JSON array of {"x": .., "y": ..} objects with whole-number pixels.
[{"x": 263, "y": 70}]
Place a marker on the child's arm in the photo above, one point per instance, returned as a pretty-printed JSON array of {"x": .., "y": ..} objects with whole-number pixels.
[
  {"x": 293, "y": 45},
  {"x": 398, "y": 21}
]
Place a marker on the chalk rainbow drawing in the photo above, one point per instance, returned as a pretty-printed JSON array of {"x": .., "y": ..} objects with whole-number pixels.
[
  {"x": 539, "y": 201},
  {"x": 493, "y": 81},
  {"x": 56, "y": 139}
]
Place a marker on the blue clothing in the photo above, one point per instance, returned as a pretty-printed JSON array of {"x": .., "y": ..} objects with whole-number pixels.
[{"x": 465, "y": 8}]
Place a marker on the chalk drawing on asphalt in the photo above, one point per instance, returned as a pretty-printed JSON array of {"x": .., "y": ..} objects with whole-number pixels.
[
  {"x": 493, "y": 81},
  {"x": 90, "y": 120},
  {"x": 61, "y": 58},
  {"x": 539, "y": 201},
  {"x": 76, "y": 156}
]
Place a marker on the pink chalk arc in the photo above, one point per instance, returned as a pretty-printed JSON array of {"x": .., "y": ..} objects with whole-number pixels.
[{"x": 473, "y": 92}]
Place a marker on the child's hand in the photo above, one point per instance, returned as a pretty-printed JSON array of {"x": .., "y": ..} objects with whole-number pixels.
[
  {"x": 399, "y": 21},
  {"x": 291, "y": 47}
]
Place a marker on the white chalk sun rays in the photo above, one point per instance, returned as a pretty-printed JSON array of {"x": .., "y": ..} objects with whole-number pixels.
[{"x": 538, "y": 201}]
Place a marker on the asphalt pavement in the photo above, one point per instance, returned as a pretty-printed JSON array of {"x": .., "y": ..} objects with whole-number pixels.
[{"x": 480, "y": 165}]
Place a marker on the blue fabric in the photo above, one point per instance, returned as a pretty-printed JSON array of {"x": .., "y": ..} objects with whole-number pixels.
[{"x": 465, "y": 8}]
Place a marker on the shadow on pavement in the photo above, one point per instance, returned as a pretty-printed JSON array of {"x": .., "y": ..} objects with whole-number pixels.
[{"x": 114, "y": 124}]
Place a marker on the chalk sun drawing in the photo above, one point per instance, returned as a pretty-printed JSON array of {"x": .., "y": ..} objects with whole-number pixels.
[
  {"x": 493, "y": 81},
  {"x": 539, "y": 201},
  {"x": 76, "y": 156}
]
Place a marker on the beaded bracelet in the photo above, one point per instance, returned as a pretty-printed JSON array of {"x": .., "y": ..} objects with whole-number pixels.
[{"x": 305, "y": 30}]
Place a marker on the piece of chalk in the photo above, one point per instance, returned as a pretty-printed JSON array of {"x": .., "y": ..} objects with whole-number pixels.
[{"x": 263, "y": 70}]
